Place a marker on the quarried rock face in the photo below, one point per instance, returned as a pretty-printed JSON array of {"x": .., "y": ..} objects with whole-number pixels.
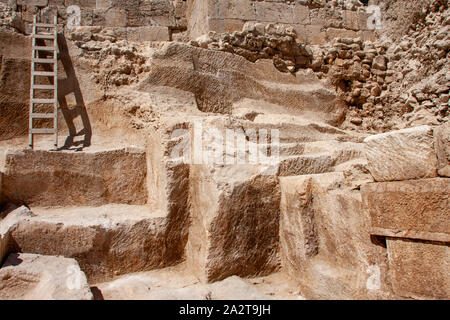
[
  {"x": 311, "y": 19},
  {"x": 410, "y": 209},
  {"x": 402, "y": 155},
  {"x": 419, "y": 269},
  {"x": 8, "y": 219},
  {"x": 235, "y": 222},
  {"x": 325, "y": 241},
  {"x": 42, "y": 178},
  {"x": 442, "y": 145},
  {"x": 35, "y": 277}
]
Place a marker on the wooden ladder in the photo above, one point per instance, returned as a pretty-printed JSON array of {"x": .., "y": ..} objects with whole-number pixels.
[{"x": 37, "y": 59}]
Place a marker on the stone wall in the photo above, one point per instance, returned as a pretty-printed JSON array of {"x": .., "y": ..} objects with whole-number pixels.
[{"x": 315, "y": 22}]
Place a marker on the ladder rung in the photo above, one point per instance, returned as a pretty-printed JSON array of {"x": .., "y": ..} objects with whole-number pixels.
[
  {"x": 43, "y": 115},
  {"x": 44, "y": 73},
  {"x": 44, "y": 36},
  {"x": 42, "y": 131},
  {"x": 40, "y": 48},
  {"x": 43, "y": 100},
  {"x": 45, "y": 25},
  {"x": 44, "y": 87},
  {"x": 37, "y": 60}
]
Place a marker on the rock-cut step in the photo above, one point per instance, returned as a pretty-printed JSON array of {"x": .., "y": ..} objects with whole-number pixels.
[{"x": 106, "y": 241}]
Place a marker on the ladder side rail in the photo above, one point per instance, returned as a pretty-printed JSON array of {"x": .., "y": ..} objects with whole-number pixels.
[{"x": 55, "y": 69}]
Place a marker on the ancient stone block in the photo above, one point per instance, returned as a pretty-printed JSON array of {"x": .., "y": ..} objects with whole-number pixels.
[
  {"x": 148, "y": 33},
  {"x": 168, "y": 188},
  {"x": 231, "y": 9},
  {"x": 307, "y": 164},
  {"x": 409, "y": 209},
  {"x": 102, "y": 4},
  {"x": 442, "y": 146},
  {"x": 226, "y": 25},
  {"x": 274, "y": 12},
  {"x": 116, "y": 18},
  {"x": 333, "y": 33},
  {"x": 419, "y": 269},
  {"x": 82, "y": 3},
  {"x": 301, "y": 14},
  {"x": 234, "y": 227},
  {"x": 402, "y": 155},
  {"x": 35, "y": 277},
  {"x": 298, "y": 227},
  {"x": 4, "y": 241},
  {"x": 213, "y": 97},
  {"x": 63, "y": 178},
  {"x": 38, "y": 3},
  {"x": 315, "y": 35}
]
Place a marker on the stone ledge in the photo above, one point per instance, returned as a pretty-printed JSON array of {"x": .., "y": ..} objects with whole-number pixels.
[
  {"x": 419, "y": 269},
  {"x": 409, "y": 209},
  {"x": 42, "y": 178}
]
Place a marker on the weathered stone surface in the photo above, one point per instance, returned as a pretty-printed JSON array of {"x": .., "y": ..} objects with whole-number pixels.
[
  {"x": 324, "y": 240},
  {"x": 10, "y": 216},
  {"x": 234, "y": 228},
  {"x": 43, "y": 178},
  {"x": 409, "y": 209},
  {"x": 145, "y": 287},
  {"x": 230, "y": 15},
  {"x": 402, "y": 155},
  {"x": 36, "y": 277},
  {"x": 419, "y": 269},
  {"x": 298, "y": 228},
  {"x": 442, "y": 145},
  {"x": 150, "y": 33},
  {"x": 195, "y": 70},
  {"x": 106, "y": 241}
]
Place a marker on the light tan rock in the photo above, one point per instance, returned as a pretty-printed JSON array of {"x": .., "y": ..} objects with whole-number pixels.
[
  {"x": 106, "y": 241},
  {"x": 42, "y": 178},
  {"x": 324, "y": 240},
  {"x": 409, "y": 209},
  {"x": 168, "y": 187},
  {"x": 402, "y": 155},
  {"x": 419, "y": 269},
  {"x": 36, "y": 277},
  {"x": 306, "y": 164},
  {"x": 8, "y": 218},
  {"x": 234, "y": 227},
  {"x": 196, "y": 71},
  {"x": 4, "y": 241},
  {"x": 442, "y": 145}
]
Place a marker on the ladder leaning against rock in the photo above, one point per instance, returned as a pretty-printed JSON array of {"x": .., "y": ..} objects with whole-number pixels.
[{"x": 38, "y": 47}]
